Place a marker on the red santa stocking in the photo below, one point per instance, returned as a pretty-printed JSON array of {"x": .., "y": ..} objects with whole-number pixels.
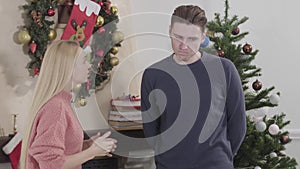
[
  {"x": 81, "y": 22},
  {"x": 13, "y": 150}
]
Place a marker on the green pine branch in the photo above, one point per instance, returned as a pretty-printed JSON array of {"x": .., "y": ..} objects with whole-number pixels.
[
  {"x": 103, "y": 41},
  {"x": 38, "y": 28}
]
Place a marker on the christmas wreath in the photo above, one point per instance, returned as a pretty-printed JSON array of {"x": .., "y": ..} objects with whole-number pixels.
[{"x": 39, "y": 31}]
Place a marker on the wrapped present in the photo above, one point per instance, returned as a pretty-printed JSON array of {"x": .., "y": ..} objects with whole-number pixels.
[{"x": 126, "y": 108}]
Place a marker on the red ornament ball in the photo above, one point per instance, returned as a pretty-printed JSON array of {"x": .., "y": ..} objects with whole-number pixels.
[
  {"x": 235, "y": 31},
  {"x": 101, "y": 30},
  {"x": 32, "y": 47},
  {"x": 257, "y": 85},
  {"x": 36, "y": 71},
  {"x": 285, "y": 139},
  {"x": 51, "y": 12},
  {"x": 247, "y": 48},
  {"x": 221, "y": 53}
]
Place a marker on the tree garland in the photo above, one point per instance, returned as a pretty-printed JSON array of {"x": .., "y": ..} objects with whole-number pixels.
[{"x": 37, "y": 33}]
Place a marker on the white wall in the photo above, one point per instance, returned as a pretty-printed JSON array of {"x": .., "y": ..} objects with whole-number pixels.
[
  {"x": 15, "y": 84},
  {"x": 273, "y": 28}
]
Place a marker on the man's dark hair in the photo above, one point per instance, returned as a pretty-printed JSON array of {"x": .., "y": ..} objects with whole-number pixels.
[{"x": 189, "y": 14}]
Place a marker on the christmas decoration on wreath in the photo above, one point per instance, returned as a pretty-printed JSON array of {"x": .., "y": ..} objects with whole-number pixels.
[{"x": 94, "y": 24}]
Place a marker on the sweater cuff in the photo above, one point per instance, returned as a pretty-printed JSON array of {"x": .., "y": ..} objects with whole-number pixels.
[{"x": 51, "y": 164}]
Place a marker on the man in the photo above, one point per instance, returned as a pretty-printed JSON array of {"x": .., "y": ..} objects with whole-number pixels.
[{"x": 192, "y": 102}]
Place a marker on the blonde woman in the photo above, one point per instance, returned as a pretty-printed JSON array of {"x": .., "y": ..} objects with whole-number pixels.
[{"x": 54, "y": 137}]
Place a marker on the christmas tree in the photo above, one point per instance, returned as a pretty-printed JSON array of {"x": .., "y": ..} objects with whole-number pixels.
[{"x": 264, "y": 143}]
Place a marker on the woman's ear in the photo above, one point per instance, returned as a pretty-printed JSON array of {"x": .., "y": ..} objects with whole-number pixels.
[{"x": 203, "y": 37}]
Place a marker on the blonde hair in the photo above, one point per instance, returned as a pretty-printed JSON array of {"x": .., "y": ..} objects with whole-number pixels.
[{"x": 56, "y": 73}]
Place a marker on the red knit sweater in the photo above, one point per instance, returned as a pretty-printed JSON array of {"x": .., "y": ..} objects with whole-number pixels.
[{"x": 56, "y": 133}]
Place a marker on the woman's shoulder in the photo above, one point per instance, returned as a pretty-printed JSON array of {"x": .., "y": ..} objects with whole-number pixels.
[{"x": 55, "y": 108}]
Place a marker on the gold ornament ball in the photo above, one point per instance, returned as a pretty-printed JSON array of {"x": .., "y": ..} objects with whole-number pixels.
[
  {"x": 114, "y": 10},
  {"x": 114, "y": 61},
  {"x": 77, "y": 88},
  {"x": 114, "y": 50},
  {"x": 52, "y": 34},
  {"x": 82, "y": 101},
  {"x": 117, "y": 37},
  {"x": 99, "y": 21},
  {"x": 24, "y": 37}
]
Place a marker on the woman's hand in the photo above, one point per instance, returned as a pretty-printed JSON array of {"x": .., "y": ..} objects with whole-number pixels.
[
  {"x": 102, "y": 145},
  {"x": 95, "y": 146},
  {"x": 87, "y": 143}
]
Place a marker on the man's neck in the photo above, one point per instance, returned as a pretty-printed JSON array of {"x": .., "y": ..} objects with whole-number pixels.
[{"x": 192, "y": 59}]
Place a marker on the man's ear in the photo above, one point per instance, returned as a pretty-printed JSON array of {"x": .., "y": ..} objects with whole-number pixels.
[{"x": 170, "y": 29}]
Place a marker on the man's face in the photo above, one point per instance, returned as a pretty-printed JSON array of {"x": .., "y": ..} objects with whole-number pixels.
[{"x": 186, "y": 40}]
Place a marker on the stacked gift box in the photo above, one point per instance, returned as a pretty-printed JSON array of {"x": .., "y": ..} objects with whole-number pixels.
[{"x": 125, "y": 112}]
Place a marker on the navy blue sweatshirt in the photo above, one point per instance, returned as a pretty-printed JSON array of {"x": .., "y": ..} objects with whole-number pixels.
[{"x": 193, "y": 115}]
